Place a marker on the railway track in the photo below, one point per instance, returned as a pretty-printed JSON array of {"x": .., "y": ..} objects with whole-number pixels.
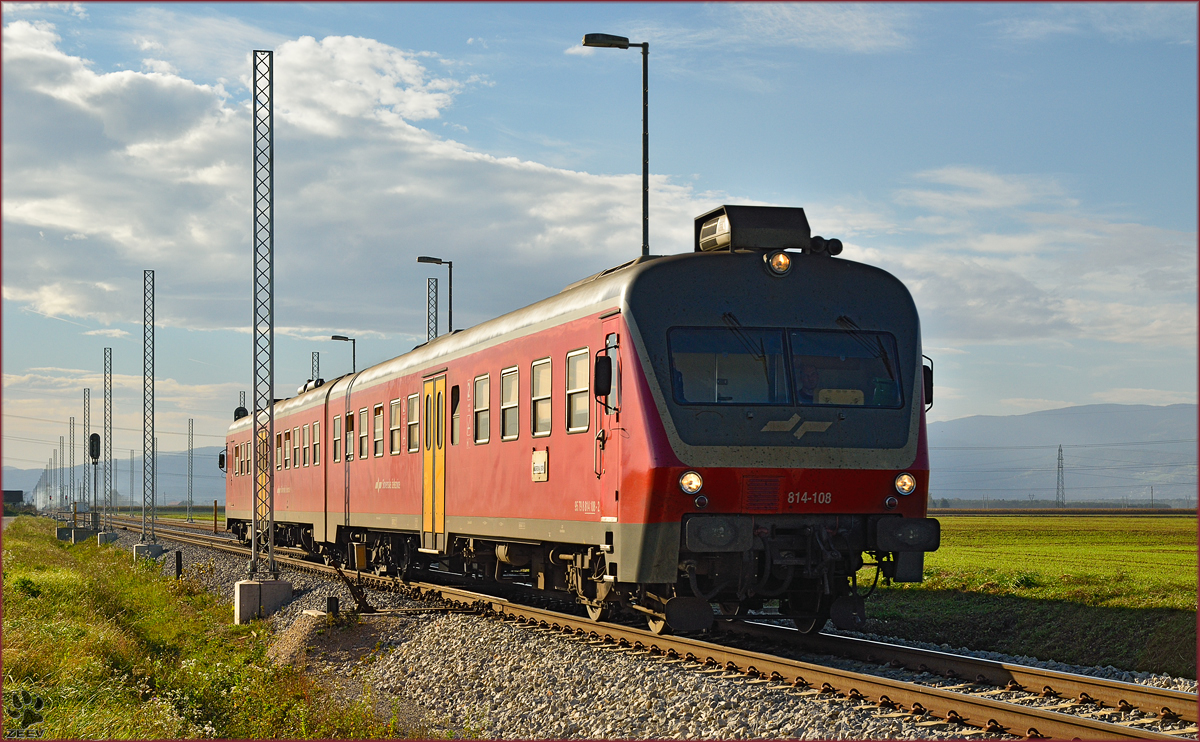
[{"x": 975, "y": 695}]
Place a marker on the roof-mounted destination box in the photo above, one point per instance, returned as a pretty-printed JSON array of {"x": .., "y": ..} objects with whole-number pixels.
[{"x": 752, "y": 228}]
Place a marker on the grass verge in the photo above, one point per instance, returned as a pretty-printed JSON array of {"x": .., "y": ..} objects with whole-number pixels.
[
  {"x": 1086, "y": 590},
  {"x": 115, "y": 650}
]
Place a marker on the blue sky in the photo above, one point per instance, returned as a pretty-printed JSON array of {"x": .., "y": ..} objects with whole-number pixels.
[{"x": 1029, "y": 170}]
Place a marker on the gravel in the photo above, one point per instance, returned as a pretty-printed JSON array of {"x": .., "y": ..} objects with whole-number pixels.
[{"x": 492, "y": 679}]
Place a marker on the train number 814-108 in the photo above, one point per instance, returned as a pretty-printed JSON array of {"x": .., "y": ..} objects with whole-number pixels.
[{"x": 805, "y": 498}]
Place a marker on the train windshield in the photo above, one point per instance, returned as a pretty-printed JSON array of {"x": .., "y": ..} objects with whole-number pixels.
[{"x": 755, "y": 366}]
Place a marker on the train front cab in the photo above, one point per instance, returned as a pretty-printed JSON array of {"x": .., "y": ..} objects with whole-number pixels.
[{"x": 791, "y": 394}]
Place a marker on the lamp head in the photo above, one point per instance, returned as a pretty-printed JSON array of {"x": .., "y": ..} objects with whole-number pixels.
[
  {"x": 427, "y": 259},
  {"x": 604, "y": 40},
  {"x": 339, "y": 337}
]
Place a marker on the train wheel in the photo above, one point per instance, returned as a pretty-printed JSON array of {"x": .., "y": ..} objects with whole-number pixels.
[{"x": 597, "y": 612}]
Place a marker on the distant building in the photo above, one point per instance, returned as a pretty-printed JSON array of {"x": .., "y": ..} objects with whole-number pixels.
[{"x": 13, "y": 497}]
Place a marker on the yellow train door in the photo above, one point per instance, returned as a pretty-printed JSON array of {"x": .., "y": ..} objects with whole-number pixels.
[{"x": 433, "y": 465}]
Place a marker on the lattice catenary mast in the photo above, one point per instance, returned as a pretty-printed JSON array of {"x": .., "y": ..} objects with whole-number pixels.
[
  {"x": 109, "y": 464},
  {"x": 148, "y": 472},
  {"x": 86, "y": 481},
  {"x": 71, "y": 458},
  {"x": 62, "y": 490},
  {"x": 263, "y": 517},
  {"x": 189, "y": 505},
  {"x": 431, "y": 314},
  {"x": 1060, "y": 494}
]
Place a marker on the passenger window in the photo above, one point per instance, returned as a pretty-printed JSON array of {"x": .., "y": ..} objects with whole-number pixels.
[
  {"x": 304, "y": 450},
  {"x": 539, "y": 409},
  {"x": 316, "y": 444},
  {"x": 279, "y": 450},
  {"x": 454, "y": 415},
  {"x": 508, "y": 405},
  {"x": 394, "y": 426},
  {"x": 414, "y": 430},
  {"x": 296, "y": 447},
  {"x": 363, "y": 431},
  {"x": 578, "y": 403},
  {"x": 337, "y": 439},
  {"x": 377, "y": 439},
  {"x": 349, "y": 436},
  {"x": 483, "y": 421}
]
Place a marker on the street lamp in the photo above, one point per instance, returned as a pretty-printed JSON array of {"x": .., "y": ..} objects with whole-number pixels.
[
  {"x": 608, "y": 41},
  {"x": 353, "y": 362},
  {"x": 449, "y": 288}
]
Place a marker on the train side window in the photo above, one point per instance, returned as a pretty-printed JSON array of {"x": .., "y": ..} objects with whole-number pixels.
[
  {"x": 428, "y": 421},
  {"x": 316, "y": 444},
  {"x": 237, "y": 460},
  {"x": 363, "y": 432},
  {"x": 414, "y": 423},
  {"x": 279, "y": 450},
  {"x": 296, "y": 447},
  {"x": 539, "y": 398},
  {"x": 578, "y": 405},
  {"x": 378, "y": 428},
  {"x": 441, "y": 420},
  {"x": 394, "y": 426},
  {"x": 349, "y": 447},
  {"x": 483, "y": 422},
  {"x": 304, "y": 447},
  {"x": 454, "y": 396},
  {"x": 509, "y": 421},
  {"x": 337, "y": 439}
]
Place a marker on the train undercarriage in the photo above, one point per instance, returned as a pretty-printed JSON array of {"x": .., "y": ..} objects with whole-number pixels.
[{"x": 804, "y": 567}]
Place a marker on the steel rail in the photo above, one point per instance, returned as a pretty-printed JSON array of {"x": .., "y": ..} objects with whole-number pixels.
[
  {"x": 937, "y": 705},
  {"x": 1049, "y": 683}
]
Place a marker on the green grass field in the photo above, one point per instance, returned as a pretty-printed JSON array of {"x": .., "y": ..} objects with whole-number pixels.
[
  {"x": 1117, "y": 590},
  {"x": 117, "y": 651}
]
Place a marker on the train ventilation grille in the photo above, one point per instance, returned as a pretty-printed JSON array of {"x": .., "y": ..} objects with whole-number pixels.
[{"x": 760, "y": 494}]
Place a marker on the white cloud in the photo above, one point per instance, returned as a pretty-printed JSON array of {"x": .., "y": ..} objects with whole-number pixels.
[
  {"x": 580, "y": 50},
  {"x": 1145, "y": 396},
  {"x": 75, "y": 9},
  {"x": 1024, "y": 404},
  {"x": 863, "y": 28},
  {"x": 970, "y": 188},
  {"x": 110, "y": 332},
  {"x": 1120, "y": 22},
  {"x": 360, "y": 191},
  {"x": 159, "y": 65}
]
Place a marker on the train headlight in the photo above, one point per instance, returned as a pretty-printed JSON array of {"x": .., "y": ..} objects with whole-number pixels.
[
  {"x": 691, "y": 482},
  {"x": 906, "y": 483},
  {"x": 779, "y": 262}
]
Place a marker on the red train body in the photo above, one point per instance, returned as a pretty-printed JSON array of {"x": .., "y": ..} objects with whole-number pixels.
[{"x": 674, "y": 432}]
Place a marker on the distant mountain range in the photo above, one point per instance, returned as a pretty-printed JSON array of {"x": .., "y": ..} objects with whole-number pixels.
[
  {"x": 1110, "y": 452},
  {"x": 208, "y": 483}
]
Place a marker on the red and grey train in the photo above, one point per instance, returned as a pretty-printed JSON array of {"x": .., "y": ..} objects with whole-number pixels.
[{"x": 739, "y": 424}]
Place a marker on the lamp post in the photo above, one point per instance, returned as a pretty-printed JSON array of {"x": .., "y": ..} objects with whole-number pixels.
[
  {"x": 353, "y": 361},
  {"x": 449, "y": 288},
  {"x": 608, "y": 41}
]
